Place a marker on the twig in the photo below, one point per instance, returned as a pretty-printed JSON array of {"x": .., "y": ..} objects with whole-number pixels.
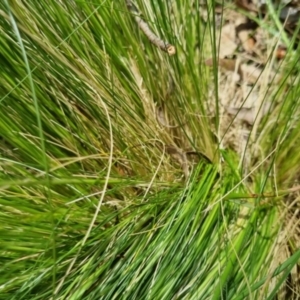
[{"x": 152, "y": 37}]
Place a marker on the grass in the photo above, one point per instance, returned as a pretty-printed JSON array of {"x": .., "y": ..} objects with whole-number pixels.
[{"x": 114, "y": 182}]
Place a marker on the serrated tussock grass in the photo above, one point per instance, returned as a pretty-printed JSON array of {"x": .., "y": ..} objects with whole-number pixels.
[{"x": 114, "y": 184}]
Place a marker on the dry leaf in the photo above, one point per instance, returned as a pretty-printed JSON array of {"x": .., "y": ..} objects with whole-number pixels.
[
  {"x": 250, "y": 73},
  {"x": 247, "y": 5},
  {"x": 227, "y": 40},
  {"x": 281, "y": 52},
  {"x": 227, "y": 64},
  {"x": 247, "y": 41},
  {"x": 248, "y": 114}
]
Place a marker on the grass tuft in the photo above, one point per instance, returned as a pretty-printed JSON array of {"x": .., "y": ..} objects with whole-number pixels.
[{"x": 122, "y": 174}]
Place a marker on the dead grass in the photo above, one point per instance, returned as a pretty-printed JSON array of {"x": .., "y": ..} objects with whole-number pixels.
[{"x": 250, "y": 69}]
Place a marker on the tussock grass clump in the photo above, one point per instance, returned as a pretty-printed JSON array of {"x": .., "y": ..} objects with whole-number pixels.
[{"x": 114, "y": 182}]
